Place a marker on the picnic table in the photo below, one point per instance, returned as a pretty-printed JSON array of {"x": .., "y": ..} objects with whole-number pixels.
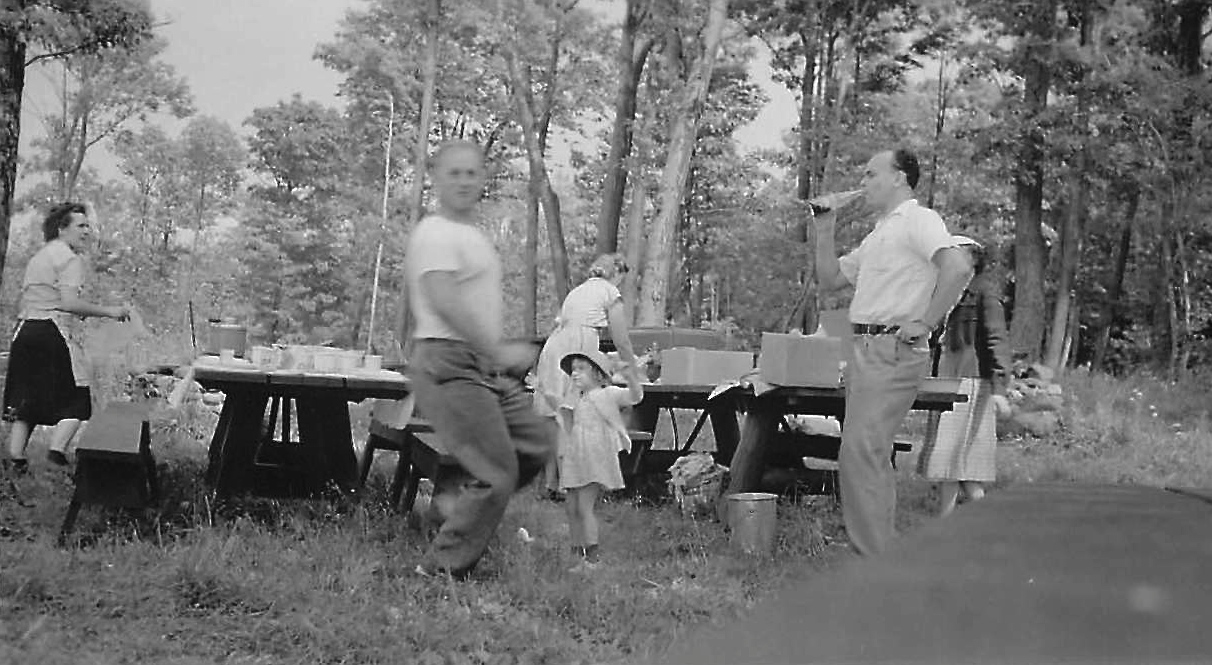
[
  {"x": 255, "y": 449},
  {"x": 742, "y": 446}
]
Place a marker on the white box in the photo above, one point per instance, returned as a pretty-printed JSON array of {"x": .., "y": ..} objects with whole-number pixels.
[
  {"x": 813, "y": 361},
  {"x": 687, "y": 366}
]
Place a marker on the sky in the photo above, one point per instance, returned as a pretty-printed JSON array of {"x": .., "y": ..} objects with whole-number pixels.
[{"x": 238, "y": 55}]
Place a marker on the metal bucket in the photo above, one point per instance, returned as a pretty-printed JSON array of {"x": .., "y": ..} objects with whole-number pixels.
[{"x": 751, "y": 518}]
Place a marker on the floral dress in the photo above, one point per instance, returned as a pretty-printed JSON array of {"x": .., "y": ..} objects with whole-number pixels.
[{"x": 592, "y": 438}]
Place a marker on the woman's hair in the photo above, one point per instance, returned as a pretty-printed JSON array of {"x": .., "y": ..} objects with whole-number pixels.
[
  {"x": 607, "y": 266},
  {"x": 59, "y": 218}
]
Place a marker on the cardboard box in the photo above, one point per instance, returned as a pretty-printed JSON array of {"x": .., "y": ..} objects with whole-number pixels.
[
  {"x": 686, "y": 366},
  {"x": 665, "y": 337},
  {"x": 801, "y": 360}
]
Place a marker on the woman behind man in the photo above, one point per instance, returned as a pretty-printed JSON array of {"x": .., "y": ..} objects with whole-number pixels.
[
  {"x": 48, "y": 373},
  {"x": 961, "y": 445},
  {"x": 593, "y": 306}
]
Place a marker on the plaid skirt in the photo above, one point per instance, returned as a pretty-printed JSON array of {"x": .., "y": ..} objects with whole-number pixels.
[
  {"x": 40, "y": 387},
  {"x": 962, "y": 444}
]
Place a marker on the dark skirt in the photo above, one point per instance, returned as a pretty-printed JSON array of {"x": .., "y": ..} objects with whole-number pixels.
[{"x": 40, "y": 388}]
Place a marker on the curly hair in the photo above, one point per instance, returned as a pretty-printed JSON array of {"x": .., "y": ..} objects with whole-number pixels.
[
  {"x": 59, "y": 218},
  {"x": 607, "y": 266}
]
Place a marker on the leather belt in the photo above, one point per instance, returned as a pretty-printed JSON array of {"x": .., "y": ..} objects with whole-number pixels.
[{"x": 873, "y": 329}]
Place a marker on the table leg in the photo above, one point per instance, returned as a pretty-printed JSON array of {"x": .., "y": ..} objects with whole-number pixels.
[
  {"x": 749, "y": 461},
  {"x": 726, "y": 429},
  {"x": 324, "y": 432},
  {"x": 644, "y": 417},
  {"x": 234, "y": 447}
]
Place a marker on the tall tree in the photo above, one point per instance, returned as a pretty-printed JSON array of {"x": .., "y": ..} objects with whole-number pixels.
[
  {"x": 653, "y": 305},
  {"x": 634, "y": 48},
  {"x": 99, "y": 94},
  {"x": 36, "y": 30}
]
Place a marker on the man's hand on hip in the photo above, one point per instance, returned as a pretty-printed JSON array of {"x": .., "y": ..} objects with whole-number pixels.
[
  {"x": 913, "y": 332},
  {"x": 516, "y": 358}
]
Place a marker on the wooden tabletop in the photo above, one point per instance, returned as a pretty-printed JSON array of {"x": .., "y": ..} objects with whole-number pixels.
[
  {"x": 383, "y": 384},
  {"x": 793, "y": 396}
]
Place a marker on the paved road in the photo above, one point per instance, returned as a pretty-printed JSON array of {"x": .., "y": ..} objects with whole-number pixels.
[{"x": 1032, "y": 574}]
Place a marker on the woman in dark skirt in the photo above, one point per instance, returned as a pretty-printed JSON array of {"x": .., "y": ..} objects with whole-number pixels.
[{"x": 48, "y": 373}]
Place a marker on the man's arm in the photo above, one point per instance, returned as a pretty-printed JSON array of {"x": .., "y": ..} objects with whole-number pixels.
[
  {"x": 828, "y": 271},
  {"x": 954, "y": 273}
]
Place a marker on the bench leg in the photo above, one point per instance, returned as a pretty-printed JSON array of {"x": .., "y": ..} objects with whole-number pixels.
[
  {"x": 368, "y": 458},
  {"x": 69, "y": 521},
  {"x": 411, "y": 487},
  {"x": 399, "y": 479}
]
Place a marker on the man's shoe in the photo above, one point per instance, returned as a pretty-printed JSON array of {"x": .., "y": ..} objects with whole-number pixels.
[
  {"x": 427, "y": 570},
  {"x": 17, "y": 466},
  {"x": 57, "y": 457}
]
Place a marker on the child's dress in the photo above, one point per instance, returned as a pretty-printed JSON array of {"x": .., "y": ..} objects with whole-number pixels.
[{"x": 590, "y": 444}]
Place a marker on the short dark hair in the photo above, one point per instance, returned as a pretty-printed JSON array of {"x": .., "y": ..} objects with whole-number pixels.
[
  {"x": 453, "y": 145},
  {"x": 906, "y": 162},
  {"x": 59, "y": 218}
]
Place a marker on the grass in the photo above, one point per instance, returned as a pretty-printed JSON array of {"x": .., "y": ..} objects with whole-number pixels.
[{"x": 263, "y": 581}]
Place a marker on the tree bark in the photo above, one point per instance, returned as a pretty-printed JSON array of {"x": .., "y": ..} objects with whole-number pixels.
[
  {"x": 1027, "y": 324},
  {"x": 654, "y": 291},
  {"x": 1074, "y": 221},
  {"x": 631, "y": 57},
  {"x": 12, "y": 83},
  {"x": 635, "y": 246},
  {"x": 1112, "y": 306},
  {"x": 531, "y": 271},
  {"x": 540, "y": 183},
  {"x": 420, "y": 150}
]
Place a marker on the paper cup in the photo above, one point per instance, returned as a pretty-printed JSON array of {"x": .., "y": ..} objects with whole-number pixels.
[
  {"x": 373, "y": 363},
  {"x": 262, "y": 356},
  {"x": 227, "y": 356},
  {"x": 326, "y": 362},
  {"x": 350, "y": 360}
]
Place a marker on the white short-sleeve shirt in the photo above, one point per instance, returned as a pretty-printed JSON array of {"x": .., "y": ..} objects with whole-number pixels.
[
  {"x": 589, "y": 302},
  {"x": 892, "y": 269},
  {"x": 53, "y": 274},
  {"x": 438, "y": 244}
]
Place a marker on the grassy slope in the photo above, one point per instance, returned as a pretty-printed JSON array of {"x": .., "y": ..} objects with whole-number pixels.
[{"x": 311, "y": 582}]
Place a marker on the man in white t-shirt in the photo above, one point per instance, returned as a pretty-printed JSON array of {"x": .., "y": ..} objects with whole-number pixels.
[
  {"x": 468, "y": 381},
  {"x": 907, "y": 274}
]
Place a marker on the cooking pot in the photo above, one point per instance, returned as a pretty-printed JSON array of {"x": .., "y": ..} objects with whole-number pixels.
[{"x": 226, "y": 335}]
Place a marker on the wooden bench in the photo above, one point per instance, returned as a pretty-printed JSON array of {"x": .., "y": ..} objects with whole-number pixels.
[
  {"x": 114, "y": 464},
  {"x": 417, "y": 458}
]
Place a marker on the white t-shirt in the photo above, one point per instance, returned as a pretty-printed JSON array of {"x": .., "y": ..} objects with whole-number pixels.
[
  {"x": 438, "y": 244},
  {"x": 892, "y": 271}
]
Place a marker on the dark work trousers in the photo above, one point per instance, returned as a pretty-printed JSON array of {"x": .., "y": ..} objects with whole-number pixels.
[
  {"x": 883, "y": 375},
  {"x": 487, "y": 422}
]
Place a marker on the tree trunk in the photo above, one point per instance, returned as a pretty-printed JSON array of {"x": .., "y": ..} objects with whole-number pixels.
[
  {"x": 631, "y": 57},
  {"x": 1164, "y": 314},
  {"x": 429, "y": 74},
  {"x": 635, "y": 246},
  {"x": 1182, "y": 330},
  {"x": 940, "y": 118},
  {"x": 1074, "y": 222},
  {"x": 1112, "y": 306},
  {"x": 1027, "y": 323},
  {"x": 540, "y": 183},
  {"x": 12, "y": 82},
  {"x": 420, "y": 151},
  {"x": 531, "y": 260},
  {"x": 654, "y": 291}
]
